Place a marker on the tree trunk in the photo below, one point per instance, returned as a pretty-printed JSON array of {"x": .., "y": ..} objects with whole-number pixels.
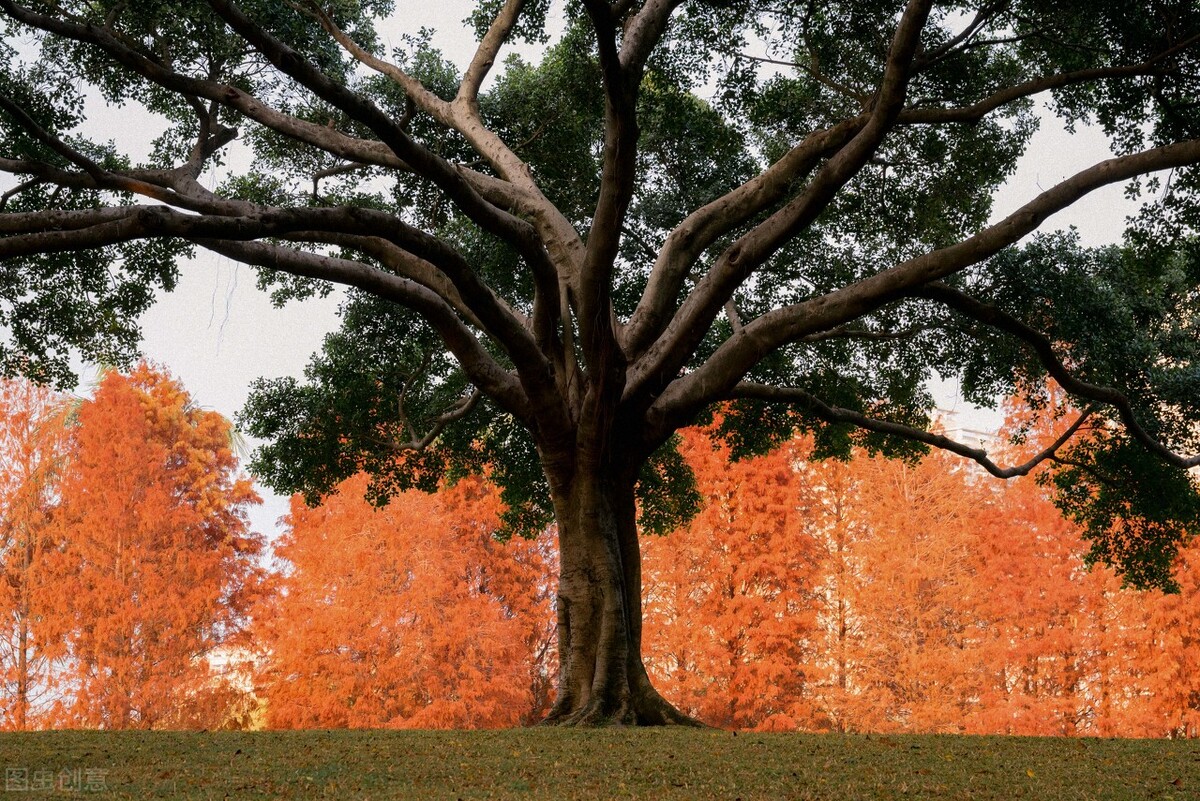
[
  {"x": 22, "y": 711},
  {"x": 601, "y": 677}
]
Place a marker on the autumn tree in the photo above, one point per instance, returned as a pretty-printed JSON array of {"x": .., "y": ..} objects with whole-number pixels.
[
  {"x": 410, "y": 615},
  {"x": 154, "y": 565},
  {"x": 729, "y": 598},
  {"x": 917, "y": 594},
  {"x": 556, "y": 264},
  {"x": 841, "y": 536},
  {"x": 33, "y": 454},
  {"x": 1174, "y": 648}
]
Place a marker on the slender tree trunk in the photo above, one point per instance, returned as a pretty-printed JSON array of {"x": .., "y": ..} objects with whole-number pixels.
[
  {"x": 22, "y": 716},
  {"x": 602, "y": 679}
]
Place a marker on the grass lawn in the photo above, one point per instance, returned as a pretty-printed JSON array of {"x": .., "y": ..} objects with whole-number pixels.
[{"x": 590, "y": 765}]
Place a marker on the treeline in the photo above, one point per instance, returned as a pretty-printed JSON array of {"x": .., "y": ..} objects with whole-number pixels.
[{"x": 871, "y": 595}]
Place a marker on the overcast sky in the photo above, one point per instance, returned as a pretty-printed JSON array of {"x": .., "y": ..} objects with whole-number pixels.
[{"x": 217, "y": 333}]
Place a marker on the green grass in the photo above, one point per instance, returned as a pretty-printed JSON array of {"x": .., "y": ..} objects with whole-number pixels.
[{"x": 597, "y": 765}]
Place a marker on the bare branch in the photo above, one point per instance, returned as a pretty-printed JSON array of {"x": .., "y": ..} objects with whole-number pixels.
[
  {"x": 731, "y": 313},
  {"x": 330, "y": 172},
  {"x": 836, "y": 414},
  {"x": 418, "y": 444},
  {"x": 18, "y": 114}
]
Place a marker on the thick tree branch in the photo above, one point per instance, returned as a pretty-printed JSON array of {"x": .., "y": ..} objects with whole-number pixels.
[
  {"x": 597, "y": 323},
  {"x": 704, "y": 226},
  {"x": 721, "y": 371},
  {"x": 664, "y": 359},
  {"x": 700, "y": 229},
  {"x": 535, "y": 369},
  {"x": 485, "y": 55},
  {"x": 462, "y": 115},
  {"x": 644, "y": 30},
  {"x": 327, "y": 139},
  {"x": 429, "y": 260},
  {"x": 836, "y": 414},
  {"x": 480, "y": 367},
  {"x": 399, "y": 261},
  {"x": 1043, "y": 348}
]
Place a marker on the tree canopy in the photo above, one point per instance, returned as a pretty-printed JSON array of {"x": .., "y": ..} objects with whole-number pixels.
[{"x": 781, "y": 210}]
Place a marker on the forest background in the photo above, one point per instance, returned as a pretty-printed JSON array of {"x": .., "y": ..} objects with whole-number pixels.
[{"x": 870, "y": 595}]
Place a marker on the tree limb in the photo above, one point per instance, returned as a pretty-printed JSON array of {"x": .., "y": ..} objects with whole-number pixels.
[
  {"x": 485, "y": 55},
  {"x": 327, "y": 139},
  {"x": 836, "y": 414},
  {"x": 726, "y": 366},
  {"x": 480, "y": 367},
  {"x": 418, "y": 444},
  {"x": 1035, "y": 86},
  {"x": 462, "y": 115},
  {"x": 1043, "y": 348},
  {"x": 597, "y": 326},
  {"x": 536, "y": 371},
  {"x": 664, "y": 359},
  {"x": 704, "y": 226},
  {"x": 644, "y": 30}
]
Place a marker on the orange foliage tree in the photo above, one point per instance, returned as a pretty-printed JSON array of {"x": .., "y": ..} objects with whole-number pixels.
[
  {"x": 33, "y": 450},
  {"x": 407, "y": 615},
  {"x": 913, "y": 595},
  {"x": 874, "y": 595},
  {"x": 729, "y": 599},
  {"x": 155, "y": 566}
]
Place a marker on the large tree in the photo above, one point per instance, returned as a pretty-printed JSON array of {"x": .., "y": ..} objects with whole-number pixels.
[
  {"x": 780, "y": 207},
  {"x": 152, "y": 569}
]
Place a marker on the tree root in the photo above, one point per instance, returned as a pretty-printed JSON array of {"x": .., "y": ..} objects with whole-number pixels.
[{"x": 649, "y": 709}]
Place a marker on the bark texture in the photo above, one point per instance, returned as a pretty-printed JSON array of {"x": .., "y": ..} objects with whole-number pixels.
[{"x": 601, "y": 676}]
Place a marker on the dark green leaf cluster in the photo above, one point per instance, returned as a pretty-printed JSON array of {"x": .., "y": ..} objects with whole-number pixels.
[
  {"x": 1117, "y": 317},
  {"x": 667, "y": 493},
  {"x": 1134, "y": 508}
]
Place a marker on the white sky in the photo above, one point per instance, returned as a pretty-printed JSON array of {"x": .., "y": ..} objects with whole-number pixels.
[{"x": 217, "y": 332}]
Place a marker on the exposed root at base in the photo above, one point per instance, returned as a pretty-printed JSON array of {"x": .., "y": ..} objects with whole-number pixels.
[{"x": 650, "y": 710}]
